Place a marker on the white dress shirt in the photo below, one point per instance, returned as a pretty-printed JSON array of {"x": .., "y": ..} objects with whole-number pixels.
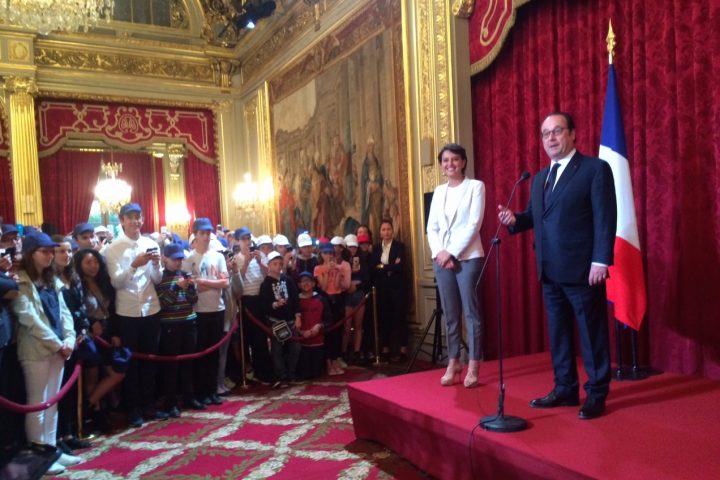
[{"x": 135, "y": 287}]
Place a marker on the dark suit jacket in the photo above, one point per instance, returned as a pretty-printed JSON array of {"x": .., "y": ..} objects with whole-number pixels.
[
  {"x": 578, "y": 225},
  {"x": 397, "y": 250}
]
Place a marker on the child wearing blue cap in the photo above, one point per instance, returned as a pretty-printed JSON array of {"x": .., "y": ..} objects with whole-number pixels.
[
  {"x": 178, "y": 328},
  {"x": 45, "y": 340}
]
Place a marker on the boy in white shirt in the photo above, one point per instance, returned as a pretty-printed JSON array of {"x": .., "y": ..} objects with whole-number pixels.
[{"x": 210, "y": 274}]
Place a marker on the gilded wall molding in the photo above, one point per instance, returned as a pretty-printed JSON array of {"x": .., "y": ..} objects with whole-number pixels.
[
  {"x": 223, "y": 71},
  {"x": 328, "y": 51},
  {"x": 124, "y": 64},
  {"x": 19, "y": 51},
  {"x": 463, "y": 8},
  {"x": 425, "y": 55},
  {"x": 20, "y": 85},
  {"x": 442, "y": 72},
  {"x": 435, "y": 75},
  {"x": 129, "y": 100}
]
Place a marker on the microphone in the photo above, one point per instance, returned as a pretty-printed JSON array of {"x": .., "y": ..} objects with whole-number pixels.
[{"x": 523, "y": 176}]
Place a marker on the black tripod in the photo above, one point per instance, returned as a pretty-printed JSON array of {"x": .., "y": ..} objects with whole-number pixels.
[
  {"x": 437, "y": 346},
  {"x": 500, "y": 422}
]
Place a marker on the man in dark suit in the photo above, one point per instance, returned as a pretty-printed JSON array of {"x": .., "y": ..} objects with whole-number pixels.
[{"x": 573, "y": 211}]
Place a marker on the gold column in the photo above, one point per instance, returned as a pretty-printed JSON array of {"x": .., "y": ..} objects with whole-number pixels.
[
  {"x": 177, "y": 218},
  {"x": 225, "y": 134},
  {"x": 25, "y": 168},
  {"x": 438, "y": 109}
]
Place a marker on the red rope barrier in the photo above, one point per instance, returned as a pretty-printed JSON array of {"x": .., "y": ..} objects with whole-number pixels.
[
  {"x": 22, "y": 408},
  {"x": 174, "y": 358},
  {"x": 332, "y": 327}
]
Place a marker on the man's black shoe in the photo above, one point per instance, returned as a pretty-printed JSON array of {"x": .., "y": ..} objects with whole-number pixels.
[
  {"x": 136, "y": 419},
  {"x": 77, "y": 444},
  {"x": 154, "y": 414},
  {"x": 215, "y": 399},
  {"x": 552, "y": 400},
  {"x": 592, "y": 408},
  {"x": 174, "y": 412},
  {"x": 196, "y": 405},
  {"x": 205, "y": 400}
]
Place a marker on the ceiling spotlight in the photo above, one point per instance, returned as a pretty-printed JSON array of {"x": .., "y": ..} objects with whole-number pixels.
[{"x": 249, "y": 13}]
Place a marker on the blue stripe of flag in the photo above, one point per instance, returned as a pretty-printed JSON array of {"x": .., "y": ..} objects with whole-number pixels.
[{"x": 613, "y": 135}]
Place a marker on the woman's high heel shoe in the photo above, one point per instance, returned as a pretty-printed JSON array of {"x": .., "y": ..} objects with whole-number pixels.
[
  {"x": 452, "y": 374},
  {"x": 471, "y": 378}
]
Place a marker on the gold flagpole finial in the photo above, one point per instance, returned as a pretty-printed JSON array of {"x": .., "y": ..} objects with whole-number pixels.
[{"x": 610, "y": 39}]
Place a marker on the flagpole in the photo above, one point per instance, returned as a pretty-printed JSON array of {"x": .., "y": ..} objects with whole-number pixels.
[
  {"x": 619, "y": 372},
  {"x": 634, "y": 372}
]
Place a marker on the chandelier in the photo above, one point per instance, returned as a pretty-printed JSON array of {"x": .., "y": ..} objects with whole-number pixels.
[
  {"x": 251, "y": 198},
  {"x": 45, "y": 16},
  {"x": 112, "y": 193}
]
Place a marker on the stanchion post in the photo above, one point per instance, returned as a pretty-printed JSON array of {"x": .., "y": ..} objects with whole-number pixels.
[
  {"x": 241, "y": 328},
  {"x": 375, "y": 327},
  {"x": 79, "y": 387}
]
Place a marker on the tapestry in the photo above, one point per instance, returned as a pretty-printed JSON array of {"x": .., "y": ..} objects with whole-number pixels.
[{"x": 338, "y": 130}]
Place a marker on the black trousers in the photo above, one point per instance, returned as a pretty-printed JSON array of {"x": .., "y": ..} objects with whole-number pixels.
[
  {"x": 392, "y": 304},
  {"x": 257, "y": 340},
  {"x": 587, "y": 307},
  {"x": 333, "y": 339},
  {"x": 140, "y": 334},
  {"x": 209, "y": 332},
  {"x": 178, "y": 337}
]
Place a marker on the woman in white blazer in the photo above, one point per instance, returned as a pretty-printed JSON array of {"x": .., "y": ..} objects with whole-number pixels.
[{"x": 453, "y": 231}]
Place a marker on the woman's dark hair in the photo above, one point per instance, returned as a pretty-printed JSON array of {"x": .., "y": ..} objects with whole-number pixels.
[
  {"x": 366, "y": 227},
  {"x": 388, "y": 221},
  {"x": 455, "y": 148},
  {"x": 103, "y": 277},
  {"x": 69, "y": 271},
  {"x": 28, "y": 264}
]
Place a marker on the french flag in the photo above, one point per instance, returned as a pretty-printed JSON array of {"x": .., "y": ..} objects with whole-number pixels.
[{"x": 626, "y": 285}]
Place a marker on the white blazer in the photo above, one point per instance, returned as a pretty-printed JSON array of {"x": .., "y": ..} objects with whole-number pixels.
[{"x": 459, "y": 235}]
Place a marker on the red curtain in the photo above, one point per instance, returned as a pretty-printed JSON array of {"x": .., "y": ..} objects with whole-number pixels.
[
  {"x": 68, "y": 180},
  {"x": 7, "y": 202},
  {"x": 137, "y": 168},
  {"x": 202, "y": 189},
  {"x": 667, "y": 65}
]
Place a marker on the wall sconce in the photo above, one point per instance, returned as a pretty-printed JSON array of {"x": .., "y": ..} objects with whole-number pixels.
[{"x": 251, "y": 198}]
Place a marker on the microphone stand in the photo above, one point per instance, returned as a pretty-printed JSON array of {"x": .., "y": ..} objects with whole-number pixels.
[{"x": 500, "y": 422}]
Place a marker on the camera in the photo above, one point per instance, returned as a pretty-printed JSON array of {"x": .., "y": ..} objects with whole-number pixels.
[
  {"x": 152, "y": 250},
  {"x": 10, "y": 252}
]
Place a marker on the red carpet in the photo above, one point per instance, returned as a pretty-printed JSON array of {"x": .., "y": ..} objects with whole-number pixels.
[
  {"x": 665, "y": 427},
  {"x": 303, "y": 432}
]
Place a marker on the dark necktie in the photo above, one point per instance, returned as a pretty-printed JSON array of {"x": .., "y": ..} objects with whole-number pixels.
[{"x": 550, "y": 182}]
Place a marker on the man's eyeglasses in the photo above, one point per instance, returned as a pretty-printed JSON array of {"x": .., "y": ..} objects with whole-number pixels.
[{"x": 554, "y": 132}]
